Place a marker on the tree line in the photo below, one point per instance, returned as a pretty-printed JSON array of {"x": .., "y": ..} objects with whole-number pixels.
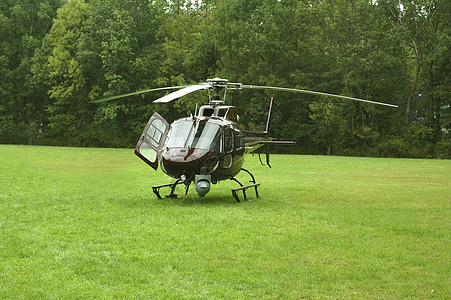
[{"x": 57, "y": 55}]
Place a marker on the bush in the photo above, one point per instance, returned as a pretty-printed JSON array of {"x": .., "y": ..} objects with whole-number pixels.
[
  {"x": 443, "y": 150},
  {"x": 416, "y": 142},
  {"x": 17, "y": 132}
]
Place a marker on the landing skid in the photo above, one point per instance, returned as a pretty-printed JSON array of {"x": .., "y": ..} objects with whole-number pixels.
[
  {"x": 245, "y": 187},
  {"x": 156, "y": 189},
  {"x": 255, "y": 185}
]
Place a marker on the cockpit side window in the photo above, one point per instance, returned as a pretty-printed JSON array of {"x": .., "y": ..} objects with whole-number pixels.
[
  {"x": 239, "y": 140},
  {"x": 228, "y": 141}
]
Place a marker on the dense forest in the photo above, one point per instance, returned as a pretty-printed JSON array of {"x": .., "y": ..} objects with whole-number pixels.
[{"x": 58, "y": 55}]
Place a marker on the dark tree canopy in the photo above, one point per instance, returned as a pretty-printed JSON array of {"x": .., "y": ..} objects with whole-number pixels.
[{"x": 57, "y": 55}]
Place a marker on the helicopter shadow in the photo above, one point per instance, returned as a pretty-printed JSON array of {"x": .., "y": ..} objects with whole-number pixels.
[
  {"x": 219, "y": 195},
  {"x": 195, "y": 200},
  {"x": 214, "y": 198}
]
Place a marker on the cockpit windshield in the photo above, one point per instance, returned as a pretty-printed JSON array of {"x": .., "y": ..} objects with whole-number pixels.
[
  {"x": 207, "y": 136},
  {"x": 195, "y": 134},
  {"x": 179, "y": 134}
]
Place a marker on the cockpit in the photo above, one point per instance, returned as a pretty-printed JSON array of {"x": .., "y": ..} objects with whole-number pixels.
[{"x": 195, "y": 133}]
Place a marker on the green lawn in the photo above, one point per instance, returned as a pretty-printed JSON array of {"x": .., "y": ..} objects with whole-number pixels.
[{"x": 84, "y": 223}]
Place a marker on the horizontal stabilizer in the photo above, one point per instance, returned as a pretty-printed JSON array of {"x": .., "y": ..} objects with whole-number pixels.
[{"x": 278, "y": 142}]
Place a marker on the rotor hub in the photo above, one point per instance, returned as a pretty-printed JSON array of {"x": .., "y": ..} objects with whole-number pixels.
[
  {"x": 217, "y": 84},
  {"x": 217, "y": 81}
]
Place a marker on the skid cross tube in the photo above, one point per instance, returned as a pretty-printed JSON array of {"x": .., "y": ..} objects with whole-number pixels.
[
  {"x": 156, "y": 189},
  {"x": 243, "y": 188}
]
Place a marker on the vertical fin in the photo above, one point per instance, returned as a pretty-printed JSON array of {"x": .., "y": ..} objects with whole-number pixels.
[{"x": 268, "y": 122}]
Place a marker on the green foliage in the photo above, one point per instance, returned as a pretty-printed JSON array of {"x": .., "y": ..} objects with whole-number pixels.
[
  {"x": 56, "y": 56},
  {"x": 443, "y": 150},
  {"x": 416, "y": 142},
  {"x": 23, "y": 25}
]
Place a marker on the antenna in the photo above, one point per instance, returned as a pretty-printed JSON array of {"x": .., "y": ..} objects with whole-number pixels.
[{"x": 227, "y": 112}]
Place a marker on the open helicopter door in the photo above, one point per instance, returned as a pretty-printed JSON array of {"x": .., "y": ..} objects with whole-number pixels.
[{"x": 152, "y": 140}]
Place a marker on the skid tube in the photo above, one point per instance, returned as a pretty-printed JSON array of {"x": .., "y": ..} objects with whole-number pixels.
[
  {"x": 243, "y": 188},
  {"x": 156, "y": 189}
]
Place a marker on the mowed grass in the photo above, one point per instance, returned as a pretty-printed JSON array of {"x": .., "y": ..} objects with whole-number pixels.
[{"x": 84, "y": 223}]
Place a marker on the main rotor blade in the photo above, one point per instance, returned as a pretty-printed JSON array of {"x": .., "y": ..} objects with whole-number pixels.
[
  {"x": 186, "y": 90},
  {"x": 314, "y": 93},
  {"x": 136, "y": 93}
]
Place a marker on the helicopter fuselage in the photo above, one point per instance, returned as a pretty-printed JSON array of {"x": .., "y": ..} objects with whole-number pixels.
[
  {"x": 209, "y": 146},
  {"x": 203, "y": 149},
  {"x": 205, "y": 146}
]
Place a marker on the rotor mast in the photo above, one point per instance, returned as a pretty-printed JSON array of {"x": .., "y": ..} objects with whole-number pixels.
[{"x": 217, "y": 84}]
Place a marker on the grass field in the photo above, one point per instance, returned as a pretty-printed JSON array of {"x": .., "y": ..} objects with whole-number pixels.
[{"x": 84, "y": 223}]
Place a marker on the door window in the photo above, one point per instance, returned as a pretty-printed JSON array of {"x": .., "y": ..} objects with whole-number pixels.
[
  {"x": 152, "y": 140},
  {"x": 227, "y": 161},
  {"x": 148, "y": 152},
  {"x": 155, "y": 132}
]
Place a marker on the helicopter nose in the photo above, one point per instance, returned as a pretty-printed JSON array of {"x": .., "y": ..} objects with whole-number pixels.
[
  {"x": 179, "y": 161},
  {"x": 183, "y": 155}
]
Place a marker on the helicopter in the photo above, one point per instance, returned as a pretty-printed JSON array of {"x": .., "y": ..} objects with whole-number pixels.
[{"x": 209, "y": 146}]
